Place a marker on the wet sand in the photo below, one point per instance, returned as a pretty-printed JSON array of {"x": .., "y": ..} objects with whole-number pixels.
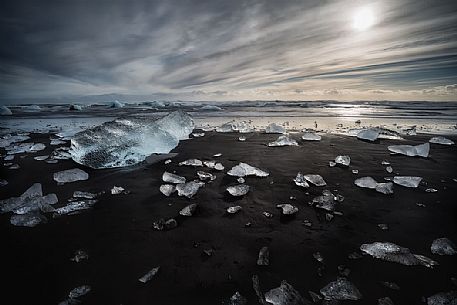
[{"x": 122, "y": 246}]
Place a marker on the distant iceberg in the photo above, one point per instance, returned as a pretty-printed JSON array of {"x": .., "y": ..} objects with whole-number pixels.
[
  {"x": 211, "y": 108},
  {"x": 5, "y": 110},
  {"x": 128, "y": 141},
  {"x": 116, "y": 104}
]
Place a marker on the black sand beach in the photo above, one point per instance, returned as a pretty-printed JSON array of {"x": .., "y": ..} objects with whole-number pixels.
[{"x": 122, "y": 245}]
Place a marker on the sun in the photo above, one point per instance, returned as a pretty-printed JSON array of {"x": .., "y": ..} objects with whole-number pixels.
[{"x": 363, "y": 19}]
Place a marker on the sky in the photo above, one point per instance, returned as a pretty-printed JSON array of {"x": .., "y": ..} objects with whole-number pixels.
[{"x": 229, "y": 50}]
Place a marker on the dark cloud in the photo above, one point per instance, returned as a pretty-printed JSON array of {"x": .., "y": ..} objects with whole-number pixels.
[{"x": 228, "y": 49}]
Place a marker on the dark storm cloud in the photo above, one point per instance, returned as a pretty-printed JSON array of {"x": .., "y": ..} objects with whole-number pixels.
[{"x": 174, "y": 49}]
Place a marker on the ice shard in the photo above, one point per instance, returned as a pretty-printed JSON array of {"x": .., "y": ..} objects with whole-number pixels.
[
  {"x": 443, "y": 246},
  {"x": 283, "y": 140},
  {"x": 341, "y": 289},
  {"x": 189, "y": 189},
  {"x": 287, "y": 209},
  {"x": 441, "y": 140},
  {"x": 191, "y": 162},
  {"x": 128, "y": 141},
  {"x": 443, "y": 298},
  {"x": 70, "y": 175},
  {"x": 149, "y": 275},
  {"x": 394, "y": 253},
  {"x": 421, "y": 150},
  {"x": 315, "y": 179},
  {"x": 172, "y": 178},
  {"x": 407, "y": 181},
  {"x": 238, "y": 190},
  {"x": 264, "y": 257},
  {"x": 343, "y": 160},
  {"x": 300, "y": 180},
  {"x": 370, "y": 134},
  {"x": 244, "y": 169},
  {"x": 27, "y": 220},
  {"x": 188, "y": 210},
  {"x": 167, "y": 189},
  {"x": 75, "y": 207},
  {"x": 311, "y": 136},
  {"x": 285, "y": 295},
  {"x": 236, "y": 299},
  {"x": 274, "y": 128},
  {"x": 369, "y": 182},
  {"x": 234, "y": 209}
]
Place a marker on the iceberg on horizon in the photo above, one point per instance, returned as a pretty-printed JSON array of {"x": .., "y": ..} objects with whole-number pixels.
[{"x": 128, "y": 141}]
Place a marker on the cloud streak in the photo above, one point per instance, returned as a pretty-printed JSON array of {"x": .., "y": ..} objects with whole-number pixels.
[{"x": 228, "y": 50}]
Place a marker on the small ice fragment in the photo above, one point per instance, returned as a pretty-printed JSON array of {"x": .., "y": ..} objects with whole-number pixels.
[
  {"x": 70, "y": 175},
  {"x": 242, "y": 138},
  {"x": 3, "y": 182},
  {"x": 421, "y": 150},
  {"x": 167, "y": 161},
  {"x": 198, "y": 134},
  {"x": 236, "y": 299},
  {"x": 407, "y": 181},
  {"x": 283, "y": 140},
  {"x": 443, "y": 298},
  {"x": 318, "y": 256},
  {"x": 227, "y": 127},
  {"x": 431, "y": 190},
  {"x": 385, "y": 301},
  {"x": 267, "y": 214},
  {"x": 384, "y": 162},
  {"x": 343, "y": 160},
  {"x": 162, "y": 224},
  {"x": 188, "y": 210},
  {"x": 191, "y": 162},
  {"x": 79, "y": 291},
  {"x": 383, "y": 226},
  {"x": 264, "y": 257},
  {"x": 393, "y": 253},
  {"x": 30, "y": 219},
  {"x": 244, "y": 169},
  {"x": 167, "y": 189},
  {"x": 385, "y": 188},
  {"x": 240, "y": 180},
  {"x": 86, "y": 195},
  {"x": 149, "y": 275},
  {"x": 9, "y": 158},
  {"x": 75, "y": 206},
  {"x": 172, "y": 178},
  {"x": 217, "y": 155},
  {"x": 331, "y": 163},
  {"x": 56, "y": 142},
  {"x": 214, "y": 165},
  {"x": 441, "y": 140},
  {"x": 79, "y": 256},
  {"x": 37, "y": 147},
  {"x": 189, "y": 189},
  {"x": 311, "y": 136},
  {"x": 389, "y": 169},
  {"x": 329, "y": 216},
  {"x": 326, "y": 201},
  {"x": 204, "y": 176},
  {"x": 315, "y": 179},
  {"x": 355, "y": 171},
  {"x": 391, "y": 285},
  {"x": 274, "y": 128},
  {"x": 287, "y": 209},
  {"x": 41, "y": 158},
  {"x": 300, "y": 180},
  {"x": 366, "y": 182},
  {"x": 117, "y": 190},
  {"x": 370, "y": 134},
  {"x": 238, "y": 190},
  {"x": 14, "y": 166},
  {"x": 341, "y": 289},
  {"x": 234, "y": 209},
  {"x": 284, "y": 295},
  {"x": 443, "y": 246}
]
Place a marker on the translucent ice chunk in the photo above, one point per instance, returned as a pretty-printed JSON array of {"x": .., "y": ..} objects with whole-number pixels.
[
  {"x": 242, "y": 138},
  {"x": 8, "y": 140},
  {"x": 311, "y": 136},
  {"x": 37, "y": 147},
  {"x": 300, "y": 180},
  {"x": 236, "y": 299},
  {"x": 284, "y": 295},
  {"x": 57, "y": 142},
  {"x": 81, "y": 194},
  {"x": 264, "y": 257},
  {"x": 70, "y": 175},
  {"x": 227, "y": 127},
  {"x": 366, "y": 182},
  {"x": 79, "y": 256},
  {"x": 191, "y": 162},
  {"x": 41, "y": 158},
  {"x": 368, "y": 134},
  {"x": 36, "y": 204},
  {"x": 341, "y": 289},
  {"x": 188, "y": 210},
  {"x": 385, "y": 188},
  {"x": 393, "y": 253},
  {"x": 117, "y": 190},
  {"x": 32, "y": 193},
  {"x": 5, "y": 110},
  {"x": 79, "y": 291},
  {"x": 189, "y": 189},
  {"x": 116, "y": 104},
  {"x": 443, "y": 298},
  {"x": 343, "y": 160},
  {"x": 75, "y": 206},
  {"x": 234, "y": 209},
  {"x": 443, "y": 246},
  {"x": 214, "y": 165},
  {"x": 167, "y": 189},
  {"x": 238, "y": 190},
  {"x": 315, "y": 179},
  {"x": 244, "y": 169},
  {"x": 274, "y": 128},
  {"x": 407, "y": 181},
  {"x": 172, "y": 178},
  {"x": 287, "y": 209},
  {"x": 441, "y": 140},
  {"x": 204, "y": 176},
  {"x": 283, "y": 140},
  {"x": 128, "y": 141},
  {"x": 327, "y": 201},
  {"x": 421, "y": 150},
  {"x": 149, "y": 275},
  {"x": 27, "y": 220},
  {"x": 244, "y": 127}
]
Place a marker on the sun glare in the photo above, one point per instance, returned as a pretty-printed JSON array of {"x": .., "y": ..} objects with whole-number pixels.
[{"x": 363, "y": 19}]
